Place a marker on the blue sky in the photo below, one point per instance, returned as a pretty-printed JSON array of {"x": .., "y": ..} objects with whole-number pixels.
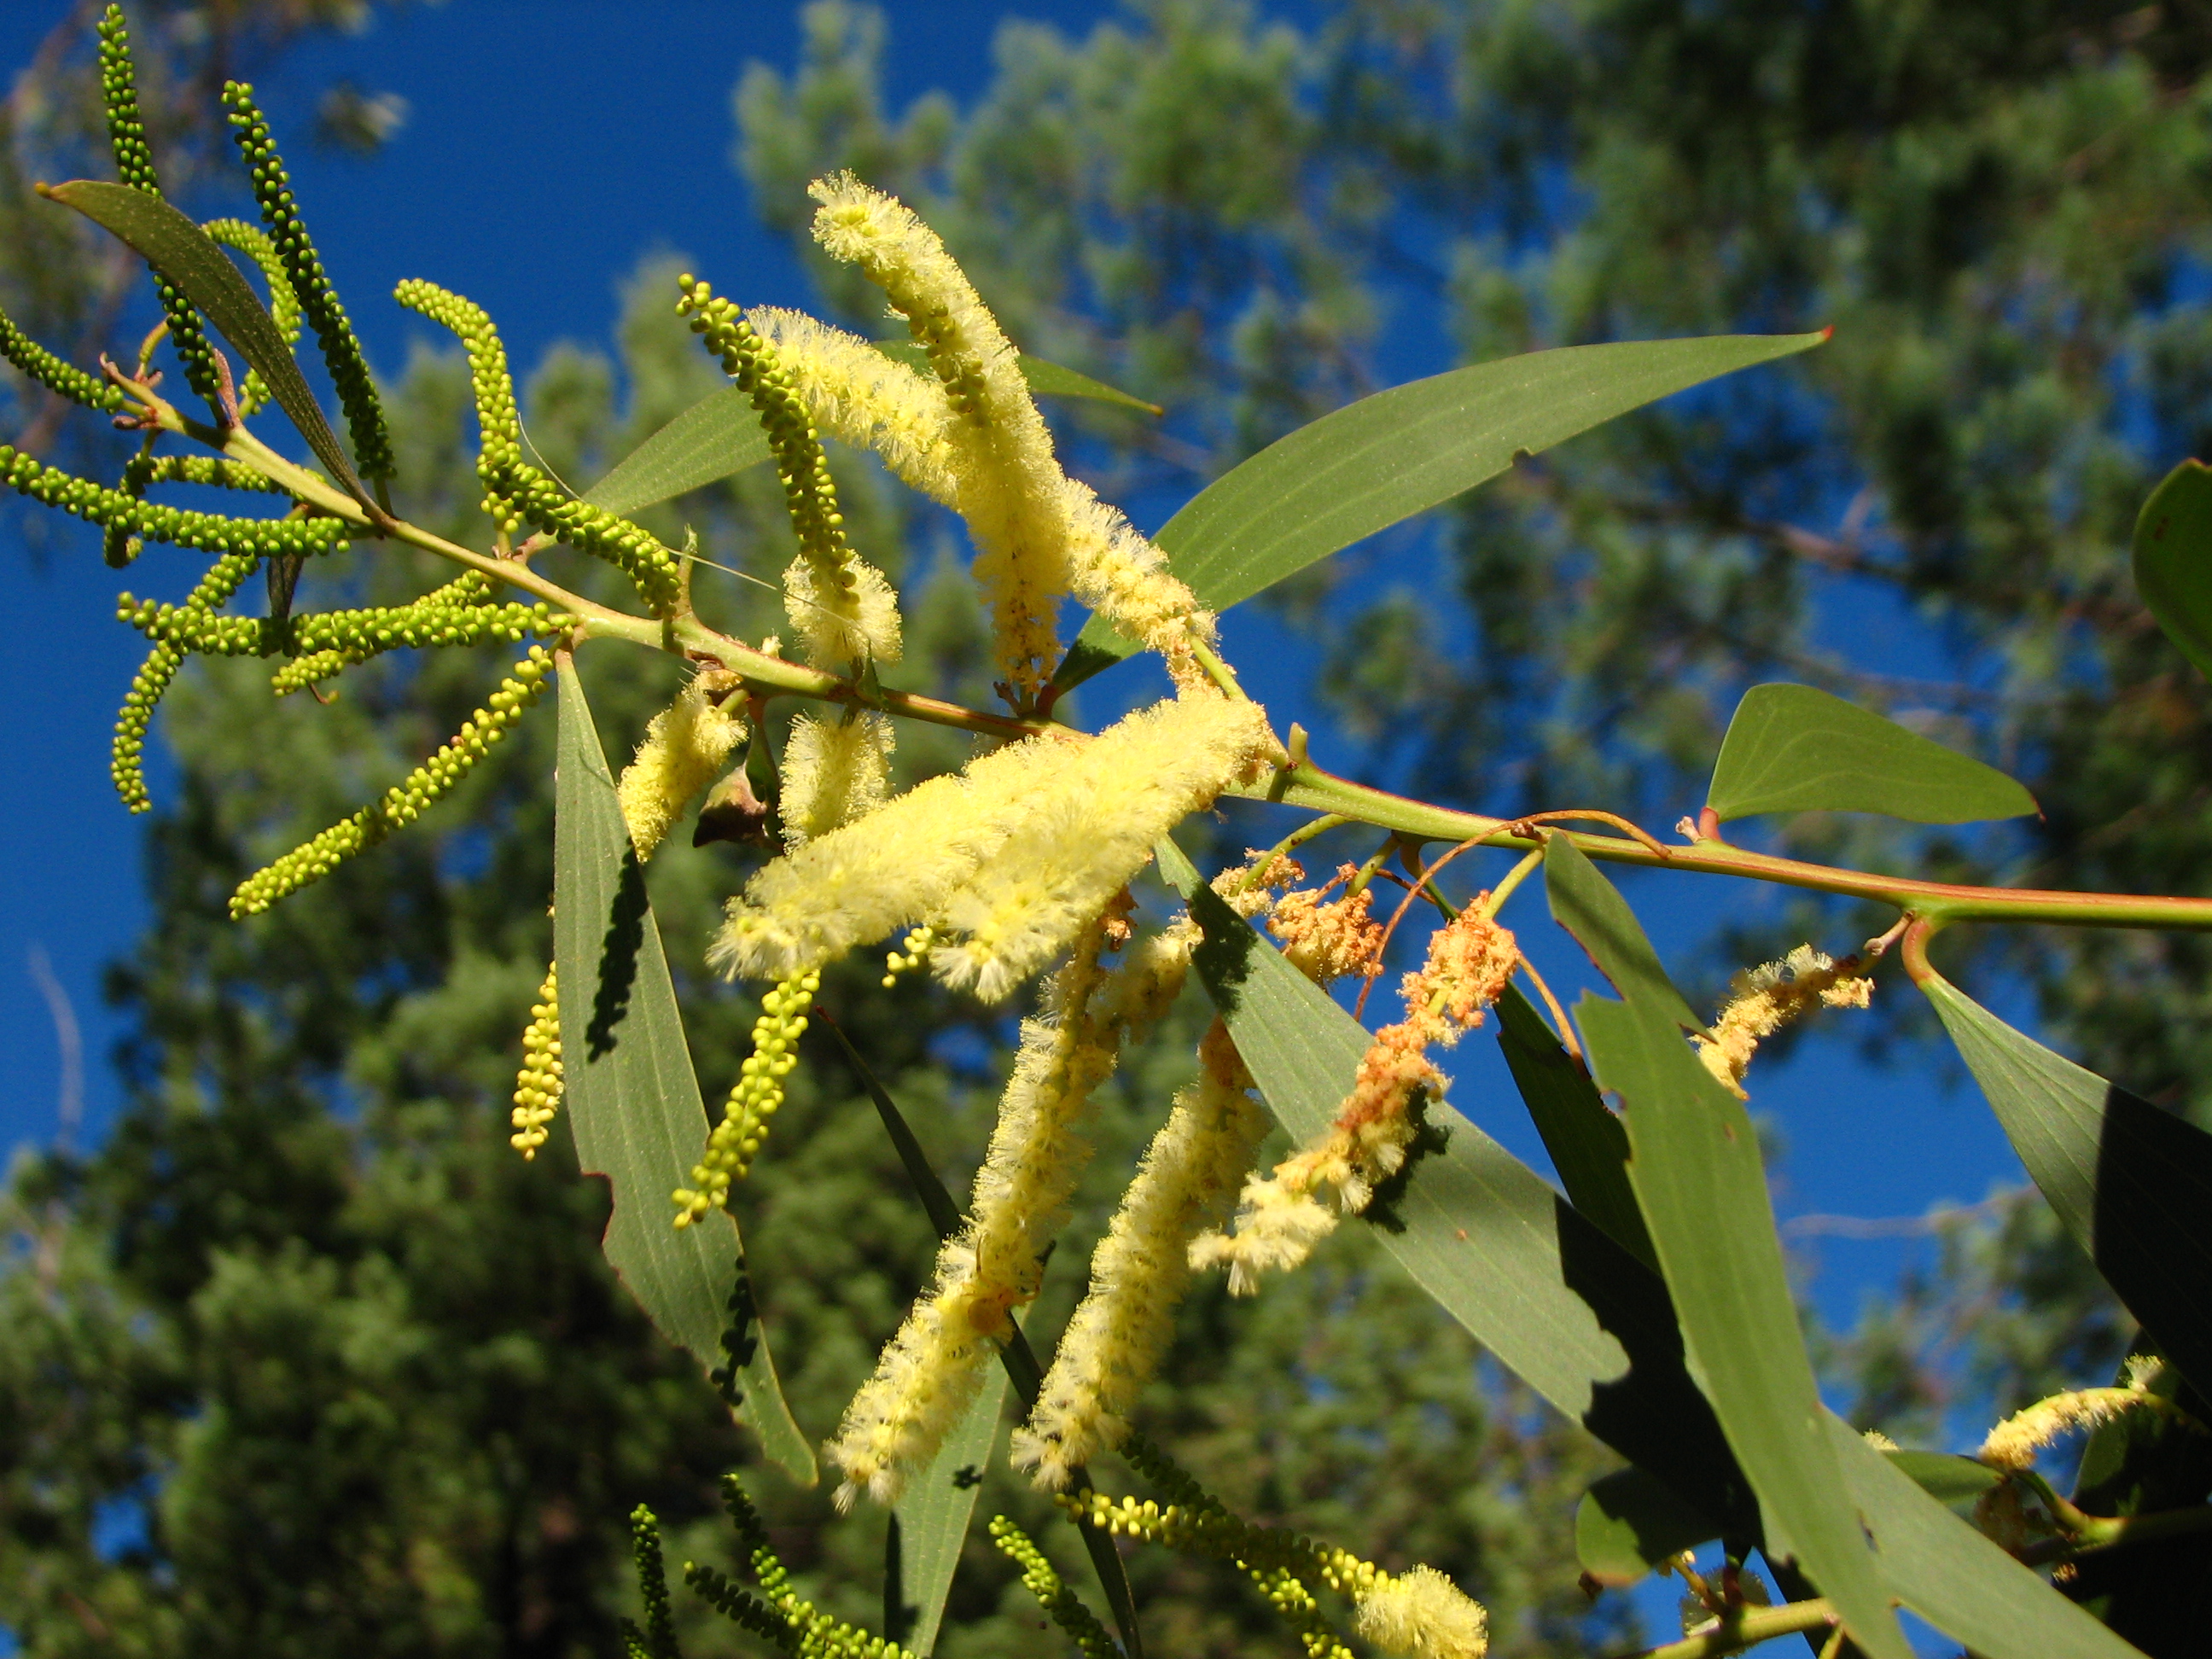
[{"x": 514, "y": 182}]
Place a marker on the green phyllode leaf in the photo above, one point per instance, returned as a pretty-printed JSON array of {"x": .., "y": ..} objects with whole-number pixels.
[
  {"x": 1381, "y": 460},
  {"x": 1588, "y": 1326},
  {"x": 717, "y": 437},
  {"x": 1793, "y": 749},
  {"x": 2173, "y": 560},
  {"x": 1694, "y": 1163},
  {"x": 1045, "y": 379},
  {"x": 1629, "y": 1524},
  {"x": 188, "y": 257},
  {"x": 2132, "y": 1183},
  {"x": 929, "y": 1523},
  {"x": 1588, "y": 1144},
  {"x": 632, "y": 1098}
]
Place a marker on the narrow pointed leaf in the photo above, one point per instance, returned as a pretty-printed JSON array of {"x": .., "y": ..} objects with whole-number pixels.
[
  {"x": 1527, "y": 1290},
  {"x": 1591, "y": 909},
  {"x": 1793, "y": 749},
  {"x": 2173, "y": 560},
  {"x": 189, "y": 257},
  {"x": 1694, "y": 1162},
  {"x": 632, "y": 1099},
  {"x": 1588, "y": 1144},
  {"x": 1381, "y": 460},
  {"x": 717, "y": 437},
  {"x": 1045, "y": 379},
  {"x": 930, "y": 1521},
  {"x": 2131, "y": 1184},
  {"x": 1630, "y": 1524}
]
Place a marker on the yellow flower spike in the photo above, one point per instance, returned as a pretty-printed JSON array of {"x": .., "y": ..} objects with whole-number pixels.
[
  {"x": 538, "y": 1086},
  {"x": 834, "y": 772},
  {"x": 1141, "y": 1269},
  {"x": 1017, "y": 852},
  {"x": 1038, "y": 533},
  {"x": 928, "y": 1371},
  {"x": 2013, "y": 1444},
  {"x": 1767, "y": 998},
  {"x": 684, "y": 749}
]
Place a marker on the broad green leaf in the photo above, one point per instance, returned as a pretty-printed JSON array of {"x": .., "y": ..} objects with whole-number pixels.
[
  {"x": 1046, "y": 380},
  {"x": 1944, "y": 1476},
  {"x": 2132, "y": 1184},
  {"x": 1591, "y": 909},
  {"x": 1586, "y": 1143},
  {"x": 719, "y": 435},
  {"x": 1526, "y": 1286},
  {"x": 632, "y": 1100},
  {"x": 188, "y": 257},
  {"x": 1694, "y": 1162},
  {"x": 1792, "y": 749},
  {"x": 2173, "y": 560},
  {"x": 1381, "y": 460},
  {"x": 1630, "y": 1523},
  {"x": 929, "y": 1523}
]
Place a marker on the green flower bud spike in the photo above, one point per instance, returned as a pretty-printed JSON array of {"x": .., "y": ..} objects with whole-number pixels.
[
  {"x": 516, "y": 492},
  {"x": 404, "y": 801},
  {"x": 657, "y": 1639},
  {"x": 127, "y": 757},
  {"x": 57, "y": 376},
  {"x": 210, "y": 532},
  {"x": 538, "y": 1086},
  {"x": 119, "y": 547},
  {"x": 318, "y": 300},
  {"x": 134, "y": 166},
  {"x": 776, "y": 1613},
  {"x": 1064, "y": 1606},
  {"x": 283, "y": 304},
  {"x": 753, "y": 1103}
]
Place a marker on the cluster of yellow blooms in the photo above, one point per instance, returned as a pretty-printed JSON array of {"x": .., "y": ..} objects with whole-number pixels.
[{"x": 1023, "y": 858}]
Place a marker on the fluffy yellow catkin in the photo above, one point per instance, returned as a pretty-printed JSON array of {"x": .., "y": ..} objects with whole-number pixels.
[
  {"x": 1422, "y": 1614},
  {"x": 1765, "y": 999},
  {"x": 836, "y": 629},
  {"x": 2013, "y": 1443},
  {"x": 1081, "y": 841},
  {"x": 927, "y": 1373},
  {"x": 834, "y": 772},
  {"x": 865, "y": 398},
  {"x": 1038, "y": 533},
  {"x": 862, "y": 398},
  {"x": 683, "y": 751},
  {"x": 1141, "y": 1270},
  {"x": 1014, "y": 854}
]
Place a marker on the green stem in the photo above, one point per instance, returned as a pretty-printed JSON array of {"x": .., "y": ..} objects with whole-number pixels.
[
  {"x": 1289, "y": 844},
  {"x": 1310, "y": 787},
  {"x": 2097, "y": 1533},
  {"x": 1746, "y": 1628},
  {"x": 1519, "y": 873}
]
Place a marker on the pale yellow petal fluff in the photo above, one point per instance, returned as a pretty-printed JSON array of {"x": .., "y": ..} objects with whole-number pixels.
[
  {"x": 1141, "y": 1270},
  {"x": 683, "y": 751},
  {"x": 1422, "y": 1614},
  {"x": 928, "y": 1372},
  {"x": 834, "y": 772}
]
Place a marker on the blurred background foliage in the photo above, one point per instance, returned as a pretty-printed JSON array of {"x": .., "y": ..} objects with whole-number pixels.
[{"x": 303, "y": 1359}]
